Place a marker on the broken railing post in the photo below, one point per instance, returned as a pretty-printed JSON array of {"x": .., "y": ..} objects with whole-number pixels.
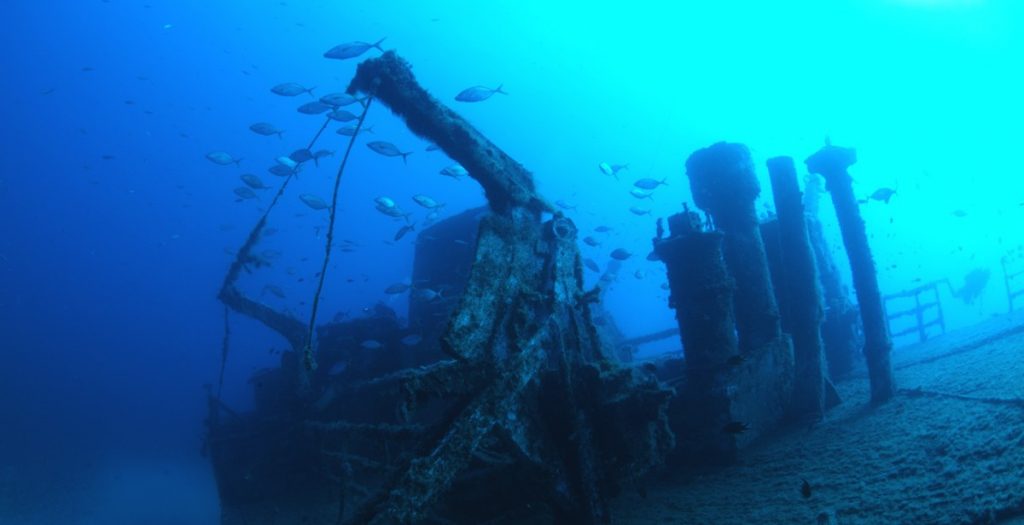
[
  {"x": 799, "y": 277},
  {"x": 723, "y": 184},
  {"x": 832, "y": 163}
]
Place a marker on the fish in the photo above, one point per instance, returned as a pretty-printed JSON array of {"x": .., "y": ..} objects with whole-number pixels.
[
  {"x": 338, "y": 367},
  {"x": 287, "y": 162},
  {"x": 252, "y": 181},
  {"x": 397, "y": 288},
  {"x": 352, "y": 49},
  {"x": 266, "y": 129},
  {"x": 321, "y": 153},
  {"x": 339, "y": 99},
  {"x": 649, "y": 184},
  {"x": 735, "y": 427},
  {"x": 313, "y": 201},
  {"x": 427, "y": 202},
  {"x": 394, "y": 211},
  {"x": 274, "y": 290},
  {"x": 455, "y": 171},
  {"x": 222, "y": 159},
  {"x": 387, "y": 149},
  {"x": 350, "y": 131},
  {"x": 404, "y": 230},
  {"x": 386, "y": 202},
  {"x": 371, "y": 344},
  {"x": 290, "y": 89},
  {"x": 639, "y": 274},
  {"x": 412, "y": 339},
  {"x": 565, "y": 205},
  {"x": 639, "y": 211},
  {"x": 620, "y": 254},
  {"x": 433, "y": 147},
  {"x": 603, "y": 229},
  {"x": 301, "y": 155},
  {"x": 478, "y": 93},
  {"x": 590, "y": 241},
  {"x": 653, "y": 256},
  {"x": 591, "y": 265},
  {"x": 342, "y": 115},
  {"x": 882, "y": 195},
  {"x": 612, "y": 169},
  {"x": 281, "y": 170},
  {"x": 428, "y": 294},
  {"x": 245, "y": 193},
  {"x": 313, "y": 108},
  {"x": 960, "y": 214},
  {"x": 641, "y": 194},
  {"x": 805, "y": 489}
]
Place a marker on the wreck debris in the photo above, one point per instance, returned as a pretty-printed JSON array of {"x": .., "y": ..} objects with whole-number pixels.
[
  {"x": 832, "y": 162},
  {"x": 723, "y": 184},
  {"x": 841, "y": 331},
  {"x": 804, "y": 312},
  {"x": 521, "y": 334}
]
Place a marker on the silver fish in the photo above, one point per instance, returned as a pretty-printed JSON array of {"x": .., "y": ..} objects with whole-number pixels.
[
  {"x": 639, "y": 211},
  {"x": 478, "y": 94},
  {"x": 290, "y": 89},
  {"x": 342, "y": 115},
  {"x": 384, "y": 201},
  {"x": 301, "y": 155},
  {"x": 621, "y": 254},
  {"x": 426, "y": 202},
  {"x": 350, "y": 131},
  {"x": 371, "y": 344},
  {"x": 252, "y": 181},
  {"x": 649, "y": 184},
  {"x": 404, "y": 230},
  {"x": 565, "y": 205},
  {"x": 245, "y": 193},
  {"x": 590, "y": 241},
  {"x": 412, "y": 339},
  {"x": 641, "y": 194},
  {"x": 352, "y": 49},
  {"x": 397, "y": 288},
  {"x": 314, "y": 202},
  {"x": 313, "y": 108},
  {"x": 281, "y": 170},
  {"x": 591, "y": 265},
  {"x": 387, "y": 149},
  {"x": 339, "y": 99},
  {"x": 222, "y": 159},
  {"x": 266, "y": 129},
  {"x": 455, "y": 171}
]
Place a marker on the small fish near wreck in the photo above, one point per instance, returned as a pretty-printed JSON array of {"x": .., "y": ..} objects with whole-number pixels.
[
  {"x": 253, "y": 181},
  {"x": 387, "y": 149},
  {"x": 314, "y": 202},
  {"x": 221, "y": 158},
  {"x": 291, "y": 89},
  {"x": 266, "y": 129},
  {"x": 352, "y": 49},
  {"x": 477, "y": 94}
]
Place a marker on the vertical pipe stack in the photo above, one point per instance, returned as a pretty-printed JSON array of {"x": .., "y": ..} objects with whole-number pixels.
[
  {"x": 723, "y": 184},
  {"x": 832, "y": 163},
  {"x": 701, "y": 292},
  {"x": 800, "y": 279}
]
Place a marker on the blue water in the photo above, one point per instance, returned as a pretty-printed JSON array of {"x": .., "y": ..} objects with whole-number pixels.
[{"x": 115, "y": 229}]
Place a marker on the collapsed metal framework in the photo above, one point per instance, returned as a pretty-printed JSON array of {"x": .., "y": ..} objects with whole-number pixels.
[{"x": 1013, "y": 274}]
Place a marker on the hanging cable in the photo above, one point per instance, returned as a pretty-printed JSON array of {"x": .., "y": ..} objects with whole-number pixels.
[{"x": 310, "y": 359}]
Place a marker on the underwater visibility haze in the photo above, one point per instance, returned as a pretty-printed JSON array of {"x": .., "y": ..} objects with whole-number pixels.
[{"x": 614, "y": 314}]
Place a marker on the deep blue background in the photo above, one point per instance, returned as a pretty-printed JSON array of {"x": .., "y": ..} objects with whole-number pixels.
[{"x": 109, "y": 268}]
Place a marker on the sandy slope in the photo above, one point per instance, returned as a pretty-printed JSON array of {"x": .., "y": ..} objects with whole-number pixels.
[{"x": 916, "y": 460}]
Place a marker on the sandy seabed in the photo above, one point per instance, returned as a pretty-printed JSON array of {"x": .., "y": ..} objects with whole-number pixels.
[{"x": 951, "y": 454}]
